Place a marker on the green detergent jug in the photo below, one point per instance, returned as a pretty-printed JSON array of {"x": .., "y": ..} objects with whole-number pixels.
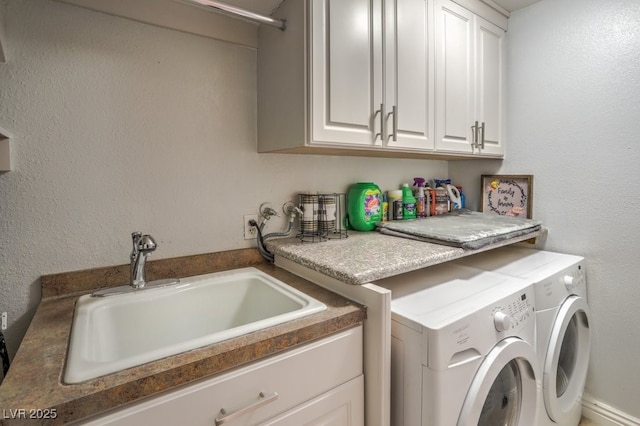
[{"x": 364, "y": 206}]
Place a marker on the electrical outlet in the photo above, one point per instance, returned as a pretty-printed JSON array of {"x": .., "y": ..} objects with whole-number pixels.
[
  {"x": 4, "y": 321},
  {"x": 250, "y": 232}
]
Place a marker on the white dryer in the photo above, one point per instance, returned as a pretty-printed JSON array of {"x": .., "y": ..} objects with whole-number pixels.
[
  {"x": 462, "y": 349},
  {"x": 563, "y": 337}
]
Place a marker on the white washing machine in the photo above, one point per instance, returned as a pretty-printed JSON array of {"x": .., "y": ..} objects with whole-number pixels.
[
  {"x": 462, "y": 348},
  {"x": 563, "y": 338}
]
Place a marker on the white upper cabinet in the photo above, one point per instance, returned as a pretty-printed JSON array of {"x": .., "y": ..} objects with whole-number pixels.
[
  {"x": 381, "y": 77},
  {"x": 346, "y": 72},
  {"x": 409, "y": 74},
  {"x": 490, "y": 90},
  {"x": 354, "y": 74},
  {"x": 455, "y": 89},
  {"x": 469, "y": 82}
]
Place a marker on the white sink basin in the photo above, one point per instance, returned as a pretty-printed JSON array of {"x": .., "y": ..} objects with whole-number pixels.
[{"x": 112, "y": 333}]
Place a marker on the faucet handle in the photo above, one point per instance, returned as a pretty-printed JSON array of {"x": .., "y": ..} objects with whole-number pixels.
[{"x": 147, "y": 243}]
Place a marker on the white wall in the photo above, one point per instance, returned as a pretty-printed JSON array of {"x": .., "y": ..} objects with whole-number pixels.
[
  {"x": 574, "y": 123},
  {"x": 120, "y": 126}
]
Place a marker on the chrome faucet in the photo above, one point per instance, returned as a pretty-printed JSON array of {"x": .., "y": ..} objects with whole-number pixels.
[{"x": 143, "y": 246}]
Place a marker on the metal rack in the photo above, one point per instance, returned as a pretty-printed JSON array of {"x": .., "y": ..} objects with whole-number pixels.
[{"x": 323, "y": 216}]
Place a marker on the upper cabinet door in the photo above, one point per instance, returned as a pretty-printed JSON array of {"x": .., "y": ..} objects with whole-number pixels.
[
  {"x": 455, "y": 78},
  {"x": 470, "y": 81},
  {"x": 346, "y": 73},
  {"x": 409, "y": 74},
  {"x": 490, "y": 70}
]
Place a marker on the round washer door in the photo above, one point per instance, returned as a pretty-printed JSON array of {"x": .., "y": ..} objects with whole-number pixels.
[
  {"x": 567, "y": 360},
  {"x": 503, "y": 390}
]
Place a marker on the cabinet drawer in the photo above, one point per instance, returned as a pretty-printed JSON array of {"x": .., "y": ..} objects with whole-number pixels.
[
  {"x": 296, "y": 376},
  {"x": 342, "y": 406}
]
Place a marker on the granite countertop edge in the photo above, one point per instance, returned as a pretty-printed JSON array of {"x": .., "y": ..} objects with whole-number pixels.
[
  {"x": 35, "y": 378},
  {"x": 365, "y": 257}
]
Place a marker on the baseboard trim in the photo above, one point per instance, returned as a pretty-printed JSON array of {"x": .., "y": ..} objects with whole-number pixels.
[{"x": 605, "y": 415}]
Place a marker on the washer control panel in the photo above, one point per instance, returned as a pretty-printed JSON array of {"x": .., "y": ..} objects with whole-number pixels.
[
  {"x": 552, "y": 290},
  {"x": 573, "y": 278},
  {"x": 513, "y": 312}
]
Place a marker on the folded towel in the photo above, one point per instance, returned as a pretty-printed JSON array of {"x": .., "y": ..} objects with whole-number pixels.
[{"x": 462, "y": 228}]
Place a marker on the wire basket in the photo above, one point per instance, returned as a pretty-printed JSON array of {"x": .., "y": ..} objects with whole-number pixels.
[{"x": 323, "y": 217}]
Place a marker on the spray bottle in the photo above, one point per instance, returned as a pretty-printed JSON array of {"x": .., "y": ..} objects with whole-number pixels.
[
  {"x": 408, "y": 203},
  {"x": 421, "y": 207}
]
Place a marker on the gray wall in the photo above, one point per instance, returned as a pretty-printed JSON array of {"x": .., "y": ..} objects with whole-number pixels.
[
  {"x": 120, "y": 126},
  {"x": 574, "y": 123}
]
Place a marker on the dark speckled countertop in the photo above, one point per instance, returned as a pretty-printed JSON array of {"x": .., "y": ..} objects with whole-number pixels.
[{"x": 34, "y": 380}]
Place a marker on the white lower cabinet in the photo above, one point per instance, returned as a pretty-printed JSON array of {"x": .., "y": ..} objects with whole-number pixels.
[
  {"x": 342, "y": 406},
  {"x": 320, "y": 383}
]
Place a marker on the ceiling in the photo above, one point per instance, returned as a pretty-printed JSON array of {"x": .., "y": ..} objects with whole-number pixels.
[{"x": 265, "y": 7}]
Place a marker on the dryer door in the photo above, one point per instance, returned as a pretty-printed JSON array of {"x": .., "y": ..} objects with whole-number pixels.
[
  {"x": 503, "y": 391},
  {"x": 567, "y": 360}
]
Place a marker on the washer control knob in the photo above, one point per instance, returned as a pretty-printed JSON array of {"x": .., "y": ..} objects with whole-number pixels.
[
  {"x": 501, "y": 321},
  {"x": 568, "y": 282}
]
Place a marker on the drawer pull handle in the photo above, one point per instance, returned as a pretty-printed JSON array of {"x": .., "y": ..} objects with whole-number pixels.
[{"x": 225, "y": 417}]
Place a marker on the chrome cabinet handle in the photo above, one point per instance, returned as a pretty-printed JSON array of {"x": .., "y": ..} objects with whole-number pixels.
[
  {"x": 225, "y": 417},
  {"x": 394, "y": 123},
  {"x": 482, "y": 139},
  {"x": 381, "y": 133},
  {"x": 474, "y": 135}
]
